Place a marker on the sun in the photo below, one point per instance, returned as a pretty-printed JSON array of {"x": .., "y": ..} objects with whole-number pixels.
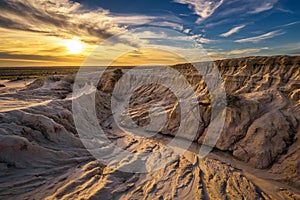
[{"x": 74, "y": 46}]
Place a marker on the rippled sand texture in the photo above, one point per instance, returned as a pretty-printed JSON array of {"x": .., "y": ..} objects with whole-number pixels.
[{"x": 256, "y": 157}]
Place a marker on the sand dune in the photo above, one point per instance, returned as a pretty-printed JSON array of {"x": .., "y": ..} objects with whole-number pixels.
[{"x": 256, "y": 157}]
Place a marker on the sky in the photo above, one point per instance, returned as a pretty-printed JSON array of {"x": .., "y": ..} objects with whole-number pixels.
[{"x": 66, "y": 33}]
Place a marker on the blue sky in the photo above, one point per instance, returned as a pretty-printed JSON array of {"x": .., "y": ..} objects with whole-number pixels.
[
  {"x": 41, "y": 32},
  {"x": 267, "y": 26}
]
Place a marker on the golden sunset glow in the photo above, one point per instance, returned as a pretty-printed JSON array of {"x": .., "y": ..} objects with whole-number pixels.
[
  {"x": 148, "y": 56},
  {"x": 73, "y": 46},
  {"x": 70, "y": 40}
]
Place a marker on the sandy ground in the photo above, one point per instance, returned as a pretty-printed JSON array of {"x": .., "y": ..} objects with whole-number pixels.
[
  {"x": 8, "y": 103},
  {"x": 256, "y": 156}
]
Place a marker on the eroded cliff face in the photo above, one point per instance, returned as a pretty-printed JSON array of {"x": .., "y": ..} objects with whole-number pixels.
[
  {"x": 256, "y": 156},
  {"x": 262, "y": 116}
]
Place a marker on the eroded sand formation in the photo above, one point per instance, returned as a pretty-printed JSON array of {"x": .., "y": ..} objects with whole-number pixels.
[{"x": 256, "y": 157}]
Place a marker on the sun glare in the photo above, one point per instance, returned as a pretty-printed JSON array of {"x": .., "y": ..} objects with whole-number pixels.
[{"x": 74, "y": 46}]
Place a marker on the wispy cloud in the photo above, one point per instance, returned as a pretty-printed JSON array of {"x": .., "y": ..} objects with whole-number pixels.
[
  {"x": 289, "y": 24},
  {"x": 35, "y": 31},
  {"x": 284, "y": 10},
  {"x": 264, "y": 7},
  {"x": 259, "y": 38},
  {"x": 236, "y": 52},
  {"x": 203, "y": 8},
  {"x": 67, "y": 19},
  {"x": 187, "y": 31},
  {"x": 32, "y": 29},
  {"x": 231, "y": 9},
  {"x": 200, "y": 39},
  {"x": 232, "y": 31},
  {"x": 246, "y": 51},
  {"x": 167, "y": 24},
  {"x": 60, "y": 18},
  {"x": 205, "y": 40}
]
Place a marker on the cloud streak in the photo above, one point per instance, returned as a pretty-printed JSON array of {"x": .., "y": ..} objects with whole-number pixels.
[
  {"x": 264, "y": 7},
  {"x": 202, "y": 8},
  {"x": 259, "y": 38},
  {"x": 236, "y": 52},
  {"x": 60, "y": 18},
  {"x": 232, "y": 31},
  {"x": 66, "y": 19},
  {"x": 202, "y": 40},
  {"x": 243, "y": 9}
]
